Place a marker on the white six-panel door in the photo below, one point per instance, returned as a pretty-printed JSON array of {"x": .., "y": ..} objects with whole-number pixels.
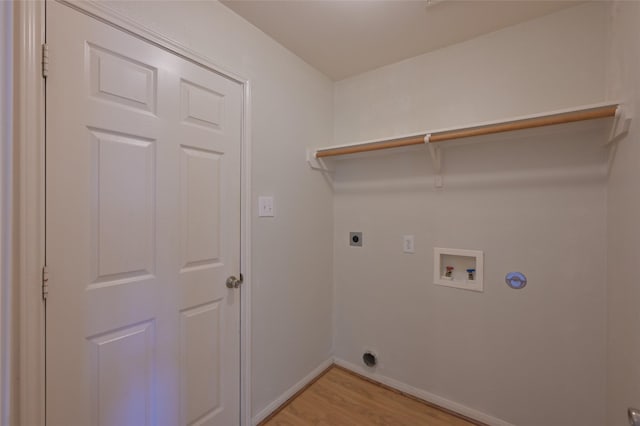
[{"x": 143, "y": 228}]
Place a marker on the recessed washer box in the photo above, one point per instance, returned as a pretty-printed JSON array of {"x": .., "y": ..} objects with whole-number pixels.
[{"x": 458, "y": 268}]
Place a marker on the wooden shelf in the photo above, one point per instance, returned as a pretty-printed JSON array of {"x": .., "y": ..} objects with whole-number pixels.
[{"x": 582, "y": 113}]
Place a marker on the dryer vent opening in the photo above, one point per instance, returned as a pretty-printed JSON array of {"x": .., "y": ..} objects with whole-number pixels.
[{"x": 370, "y": 359}]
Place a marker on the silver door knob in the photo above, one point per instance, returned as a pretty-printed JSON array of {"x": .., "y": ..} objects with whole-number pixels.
[
  {"x": 634, "y": 416},
  {"x": 233, "y": 282}
]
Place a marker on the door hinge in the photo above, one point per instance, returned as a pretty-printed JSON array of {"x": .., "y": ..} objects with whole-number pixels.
[
  {"x": 45, "y": 282},
  {"x": 45, "y": 60}
]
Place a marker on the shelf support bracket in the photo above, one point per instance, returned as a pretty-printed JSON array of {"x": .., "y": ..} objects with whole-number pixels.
[
  {"x": 316, "y": 163},
  {"x": 620, "y": 126},
  {"x": 436, "y": 159}
]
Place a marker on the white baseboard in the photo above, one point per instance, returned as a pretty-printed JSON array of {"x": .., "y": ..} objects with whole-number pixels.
[
  {"x": 290, "y": 392},
  {"x": 424, "y": 395}
]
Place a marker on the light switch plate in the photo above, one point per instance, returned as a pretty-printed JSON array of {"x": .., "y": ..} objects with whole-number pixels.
[{"x": 265, "y": 207}]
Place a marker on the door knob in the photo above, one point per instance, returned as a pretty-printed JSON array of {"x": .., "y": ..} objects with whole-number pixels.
[
  {"x": 233, "y": 282},
  {"x": 634, "y": 417}
]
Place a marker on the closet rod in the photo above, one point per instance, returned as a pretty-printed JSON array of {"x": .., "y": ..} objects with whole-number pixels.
[
  {"x": 506, "y": 126},
  {"x": 391, "y": 143},
  {"x": 529, "y": 123}
]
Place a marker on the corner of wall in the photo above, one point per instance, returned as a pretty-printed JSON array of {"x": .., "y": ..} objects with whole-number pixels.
[{"x": 623, "y": 209}]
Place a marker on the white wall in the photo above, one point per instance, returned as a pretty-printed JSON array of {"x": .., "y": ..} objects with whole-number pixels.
[
  {"x": 534, "y": 203},
  {"x": 292, "y": 253},
  {"x": 623, "y": 385},
  {"x": 547, "y": 63}
]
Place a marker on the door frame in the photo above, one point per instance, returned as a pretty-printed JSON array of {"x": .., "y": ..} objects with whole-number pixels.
[
  {"x": 28, "y": 325},
  {"x": 6, "y": 201}
]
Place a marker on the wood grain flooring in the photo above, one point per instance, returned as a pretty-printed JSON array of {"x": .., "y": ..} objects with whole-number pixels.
[{"x": 342, "y": 398}]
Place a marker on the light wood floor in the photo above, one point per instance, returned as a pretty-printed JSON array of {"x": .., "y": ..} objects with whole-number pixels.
[{"x": 341, "y": 398}]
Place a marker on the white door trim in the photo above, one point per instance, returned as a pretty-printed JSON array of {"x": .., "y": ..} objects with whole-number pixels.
[
  {"x": 28, "y": 221},
  {"x": 29, "y": 224},
  {"x": 6, "y": 203}
]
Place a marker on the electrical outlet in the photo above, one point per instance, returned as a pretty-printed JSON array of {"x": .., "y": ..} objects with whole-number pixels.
[
  {"x": 265, "y": 207},
  {"x": 408, "y": 245},
  {"x": 355, "y": 239}
]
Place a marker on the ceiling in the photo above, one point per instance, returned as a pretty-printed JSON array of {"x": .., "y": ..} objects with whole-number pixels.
[{"x": 343, "y": 38}]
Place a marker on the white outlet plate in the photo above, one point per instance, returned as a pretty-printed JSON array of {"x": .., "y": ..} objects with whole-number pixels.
[
  {"x": 265, "y": 207},
  {"x": 408, "y": 244}
]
